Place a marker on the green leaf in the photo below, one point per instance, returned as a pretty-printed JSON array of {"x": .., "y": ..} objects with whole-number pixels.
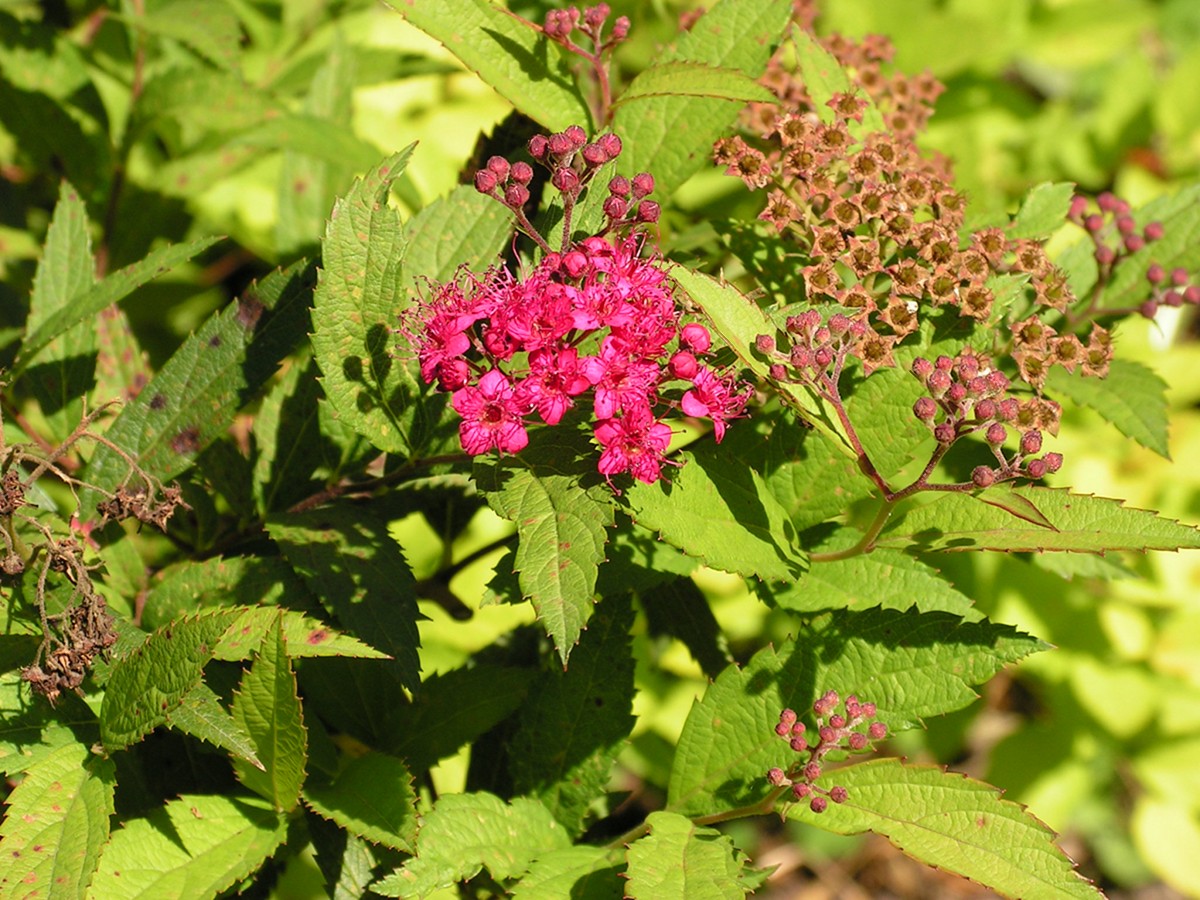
[
  {"x": 588, "y": 709},
  {"x": 1079, "y": 522},
  {"x": 349, "y": 560},
  {"x": 49, "y": 139},
  {"x": 193, "y": 399},
  {"x": 65, "y": 271},
  {"x": 581, "y": 873},
  {"x": 145, "y": 685},
  {"x": 533, "y": 74},
  {"x": 304, "y": 635},
  {"x": 809, "y": 475},
  {"x": 113, "y": 288},
  {"x": 267, "y": 708},
  {"x": 910, "y": 664},
  {"x": 465, "y": 833},
  {"x": 207, "y": 26},
  {"x": 679, "y": 608},
  {"x": 679, "y": 859},
  {"x": 1043, "y": 211},
  {"x": 372, "y": 797},
  {"x": 196, "y": 846},
  {"x": 464, "y": 227},
  {"x": 201, "y": 94},
  {"x": 291, "y": 447},
  {"x": 30, "y": 732},
  {"x": 222, "y": 581},
  {"x": 672, "y": 136},
  {"x": 885, "y": 578},
  {"x": 201, "y": 715},
  {"x": 55, "y": 824},
  {"x": 562, "y": 526},
  {"x": 1132, "y": 397},
  {"x": 824, "y": 76},
  {"x": 695, "y": 79},
  {"x": 952, "y": 822},
  {"x": 354, "y": 312},
  {"x": 347, "y": 862},
  {"x": 722, "y": 514},
  {"x": 739, "y": 322},
  {"x": 452, "y": 709}
]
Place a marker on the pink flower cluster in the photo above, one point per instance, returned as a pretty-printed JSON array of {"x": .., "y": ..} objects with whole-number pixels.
[{"x": 596, "y": 318}]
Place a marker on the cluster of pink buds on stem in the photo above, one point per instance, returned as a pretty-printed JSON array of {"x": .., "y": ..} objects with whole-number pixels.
[
  {"x": 966, "y": 396},
  {"x": 561, "y": 24},
  {"x": 835, "y": 731},
  {"x": 1116, "y": 237}
]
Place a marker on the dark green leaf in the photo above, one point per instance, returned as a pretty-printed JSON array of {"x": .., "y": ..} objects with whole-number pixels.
[{"x": 1132, "y": 397}]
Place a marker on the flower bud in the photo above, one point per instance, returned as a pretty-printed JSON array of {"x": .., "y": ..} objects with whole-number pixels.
[
  {"x": 485, "y": 181},
  {"x": 1149, "y": 309},
  {"x": 683, "y": 365},
  {"x": 1192, "y": 294},
  {"x": 1126, "y": 225},
  {"x": 593, "y": 154},
  {"x": 777, "y": 777},
  {"x": 522, "y": 172},
  {"x": 559, "y": 145},
  {"x": 798, "y": 744},
  {"x": 620, "y": 29},
  {"x": 695, "y": 337},
  {"x": 944, "y": 433},
  {"x": 615, "y": 208},
  {"x": 1093, "y": 223},
  {"x": 822, "y": 358},
  {"x": 778, "y": 372},
  {"x": 838, "y": 324},
  {"x": 1079, "y": 206},
  {"x": 943, "y": 363},
  {"x": 643, "y": 184},
  {"x": 1036, "y": 468},
  {"x": 800, "y": 790},
  {"x": 1153, "y": 231},
  {"x": 565, "y": 179},
  {"x": 594, "y": 17},
  {"x": 1172, "y": 298},
  {"x": 538, "y": 145},
  {"x": 825, "y": 703},
  {"x": 922, "y": 369},
  {"x": 812, "y": 771},
  {"x": 857, "y": 740},
  {"x": 1031, "y": 442},
  {"x": 499, "y": 166},
  {"x": 516, "y": 196},
  {"x": 996, "y": 434},
  {"x": 575, "y": 263},
  {"x": 1155, "y": 274},
  {"x": 1179, "y": 276},
  {"x": 838, "y": 794},
  {"x": 1134, "y": 243},
  {"x": 611, "y": 144},
  {"x": 985, "y": 409},
  {"x": 576, "y": 135},
  {"x": 925, "y": 409},
  {"x": 818, "y": 804},
  {"x": 619, "y": 186},
  {"x": 1105, "y": 255},
  {"x": 877, "y": 731},
  {"x": 939, "y": 382},
  {"x": 983, "y": 477},
  {"x": 1007, "y": 410},
  {"x": 648, "y": 211},
  {"x": 1053, "y": 461},
  {"x": 453, "y": 374},
  {"x": 764, "y": 344}
]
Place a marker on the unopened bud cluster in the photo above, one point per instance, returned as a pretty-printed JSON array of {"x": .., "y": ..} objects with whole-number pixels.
[
  {"x": 818, "y": 350},
  {"x": 560, "y": 24},
  {"x": 835, "y": 731},
  {"x": 966, "y": 396},
  {"x": 1116, "y": 236}
]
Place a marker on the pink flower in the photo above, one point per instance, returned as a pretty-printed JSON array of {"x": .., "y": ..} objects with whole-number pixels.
[
  {"x": 621, "y": 382},
  {"x": 634, "y": 443},
  {"x": 555, "y": 376},
  {"x": 442, "y": 340},
  {"x": 716, "y": 398},
  {"x": 491, "y": 416}
]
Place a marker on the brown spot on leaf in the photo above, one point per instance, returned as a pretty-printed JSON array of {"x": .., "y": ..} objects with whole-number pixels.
[
  {"x": 250, "y": 310},
  {"x": 214, "y": 341},
  {"x": 186, "y": 442},
  {"x": 318, "y": 635},
  {"x": 158, "y": 401}
]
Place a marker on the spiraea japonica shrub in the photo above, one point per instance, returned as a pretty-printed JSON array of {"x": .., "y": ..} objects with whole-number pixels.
[{"x": 378, "y": 581}]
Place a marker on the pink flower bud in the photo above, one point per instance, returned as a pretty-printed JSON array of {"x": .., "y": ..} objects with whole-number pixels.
[
  {"x": 538, "y": 145},
  {"x": 818, "y": 804},
  {"x": 620, "y": 29},
  {"x": 944, "y": 433},
  {"x": 594, "y": 155},
  {"x": 485, "y": 181},
  {"x": 576, "y": 135},
  {"x": 1149, "y": 309},
  {"x": 1036, "y": 468},
  {"x": 1079, "y": 206},
  {"x": 615, "y": 207},
  {"x": 857, "y": 740},
  {"x": 619, "y": 186},
  {"x": 1153, "y": 231},
  {"x": 522, "y": 173},
  {"x": 812, "y": 771},
  {"x": 611, "y": 144},
  {"x": 1053, "y": 461},
  {"x": 925, "y": 409},
  {"x": 800, "y": 790},
  {"x": 695, "y": 337},
  {"x": 1126, "y": 225},
  {"x": 1134, "y": 243},
  {"x": 985, "y": 409},
  {"x": 877, "y": 731},
  {"x": 1179, "y": 276},
  {"x": 1093, "y": 223},
  {"x": 1031, "y": 442},
  {"x": 516, "y": 196},
  {"x": 922, "y": 369},
  {"x": 565, "y": 179},
  {"x": 1192, "y": 294},
  {"x": 1105, "y": 255},
  {"x": 648, "y": 211},
  {"x": 983, "y": 477},
  {"x": 683, "y": 365},
  {"x": 825, "y": 703},
  {"x": 643, "y": 184},
  {"x": 560, "y": 145},
  {"x": 838, "y": 794},
  {"x": 996, "y": 434},
  {"x": 776, "y": 776},
  {"x": 575, "y": 263},
  {"x": 499, "y": 166}
]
